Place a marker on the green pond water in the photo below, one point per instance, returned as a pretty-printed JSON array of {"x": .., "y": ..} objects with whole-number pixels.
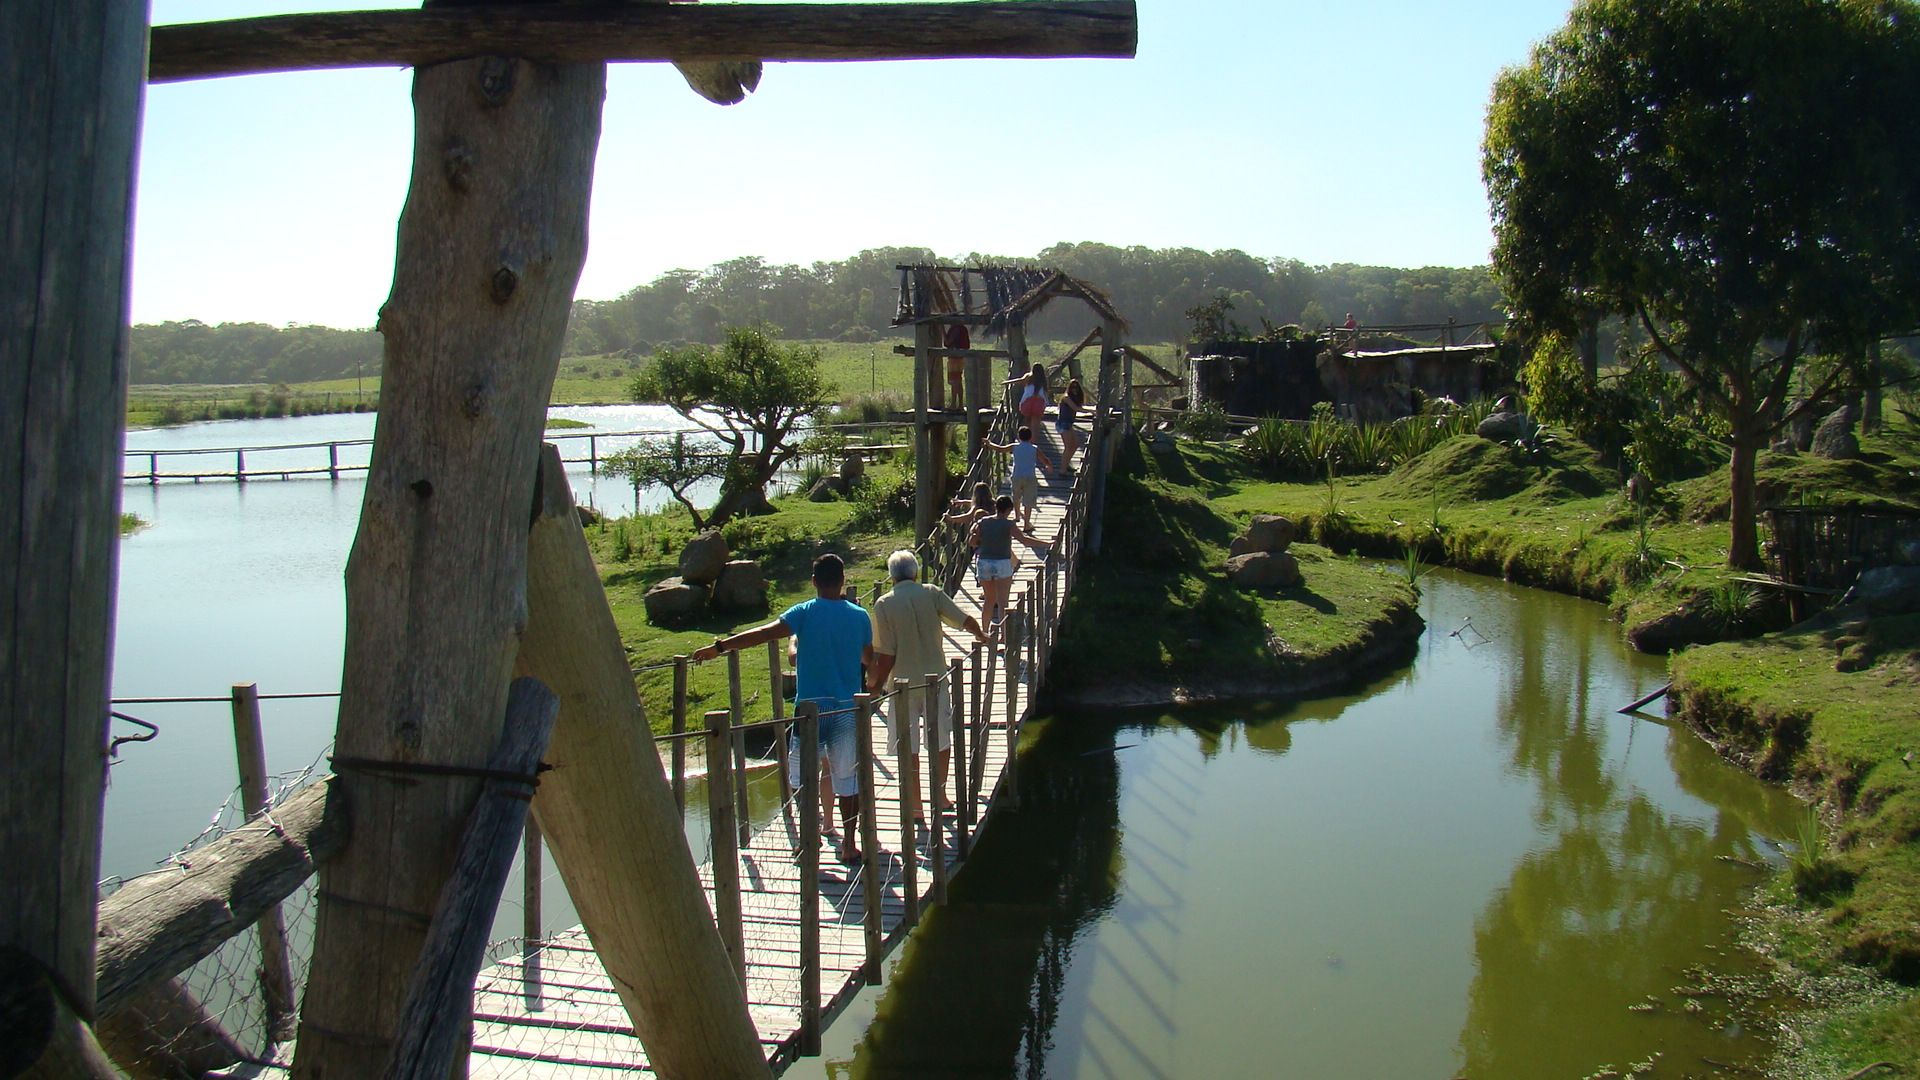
[{"x": 1468, "y": 867}]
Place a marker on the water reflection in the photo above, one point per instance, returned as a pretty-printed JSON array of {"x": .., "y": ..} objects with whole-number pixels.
[{"x": 1470, "y": 867}]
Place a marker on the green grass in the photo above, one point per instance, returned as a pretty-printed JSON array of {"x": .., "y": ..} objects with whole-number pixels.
[
  {"x": 1157, "y": 604},
  {"x": 561, "y": 423},
  {"x": 635, "y": 553},
  {"x": 1833, "y": 705},
  {"x": 131, "y": 523}
]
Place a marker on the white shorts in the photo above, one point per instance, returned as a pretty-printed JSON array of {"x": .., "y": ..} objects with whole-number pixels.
[
  {"x": 914, "y": 709},
  {"x": 993, "y": 569}
]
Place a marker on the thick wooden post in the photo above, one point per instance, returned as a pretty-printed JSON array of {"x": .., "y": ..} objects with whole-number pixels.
[
  {"x": 489, "y": 250},
  {"x": 680, "y": 729},
  {"x": 1017, "y": 362},
  {"x": 926, "y": 469},
  {"x": 743, "y": 819},
  {"x": 333, "y": 461},
  {"x": 777, "y": 690},
  {"x": 931, "y": 692},
  {"x": 72, "y": 81},
  {"x": 607, "y": 817},
  {"x": 977, "y": 728},
  {"x": 908, "y": 782},
  {"x": 1097, "y": 454},
  {"x": 808, "y": 725},
  {"x": 869, "y": 840},
  {"x": 726, "y": 853},
  {"x": 276, "y": 973},
  {"x": 433, "y": 1023},
  {"x": 979, "y": 398}
]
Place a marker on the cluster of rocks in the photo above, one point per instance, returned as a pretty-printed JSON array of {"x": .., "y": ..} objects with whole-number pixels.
[
  {"x": 708, "y": 578},
  {"x": 1258, "y": 558},
  {"x": 829, "y": 488},
  {"x": 1833, "y": 439},
  {"x": 1506, "y": 423}
]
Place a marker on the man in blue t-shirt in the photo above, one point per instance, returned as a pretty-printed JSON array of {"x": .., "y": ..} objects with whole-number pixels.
[{"x": 835, "y": 638}]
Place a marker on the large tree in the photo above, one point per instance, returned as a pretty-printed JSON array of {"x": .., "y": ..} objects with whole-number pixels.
[
  {"x": 753, "y": 394},
  {"x": 1740, "y": 177}
]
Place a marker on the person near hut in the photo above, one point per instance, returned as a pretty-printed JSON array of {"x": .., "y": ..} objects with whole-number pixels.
[
  {"x": 1069, "y": 408},
  {"x": 835, "y": 639},
  {"x": 1027, "y": 461},
  {"x": 1353, "y": 332},
  {"x": 907, "y": 640},
  {"x": 957, "y": 337}
]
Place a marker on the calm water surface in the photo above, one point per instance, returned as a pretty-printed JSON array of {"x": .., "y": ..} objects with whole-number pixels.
[{"x": 1472, "y": 867}]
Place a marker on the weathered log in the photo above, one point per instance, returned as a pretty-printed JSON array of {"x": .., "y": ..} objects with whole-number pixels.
[
  {"x": 490, "y": 246},
  {"x": 70, "y": 78},
  {"x": 43, "y": 1037},
  {"x": 610, "y": 819},
  {"x": 159, "y": 925},
  {"x": 276, "y": 965},
  {"x": 600, "y": 32},
  {"x": 434, "y": 1021},
  {"x": 163, "y": 1032}
]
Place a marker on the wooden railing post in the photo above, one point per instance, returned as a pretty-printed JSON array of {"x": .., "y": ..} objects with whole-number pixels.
[
  {"x": 679, "y": 732},
  {"x": 532, "y": 928},
  {"x": 726, "y": 851},
  {"x": 743, "y": 820},
  {"x": 333, "y": 461},
  {"x": 958, "y": 763},
  {"x": 869, "y": 839},
  {"x": 777, "y": 690},
  {"x": 1013, "y": 721},
  {"x": 276, "y": 972},
  {"x": 808, "y": 724},
  {"x": 977, "y": 728},
  {"x": 930, "y": 742},
  {"x": 908, "y": 782},
  {"x": 153, "y": 470}
]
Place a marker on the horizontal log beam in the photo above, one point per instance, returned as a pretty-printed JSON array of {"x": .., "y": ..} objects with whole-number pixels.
[
  {"x": 621, "y": 31},
  {"x": 159, "y": 925},
  {"x": 908, "y": 350}
]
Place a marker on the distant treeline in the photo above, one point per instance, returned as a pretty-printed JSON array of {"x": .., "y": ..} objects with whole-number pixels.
[{"x": 853, "y": 299}]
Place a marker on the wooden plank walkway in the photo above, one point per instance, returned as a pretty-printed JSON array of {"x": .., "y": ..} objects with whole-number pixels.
[{"x": 566, "y": 1021}]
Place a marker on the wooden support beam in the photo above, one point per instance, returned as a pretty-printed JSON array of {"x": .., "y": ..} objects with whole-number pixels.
[
  {"x": 926, "y": 468},
  {"x": 276, "y": 967},
  {"x": 157, "y": 926},
  {"x": 725, "y": 849},
  {"x": 164, "y": 1032},
  {"x": 609, "y": 818},
  {"x": 612, "y": 31},
  {"x": 43, "y": 1037},
  {"x": 946, "y": 353},
  {"x": 489, "y": 249},
  {"x": 70, "y": 78},
  {"x": 434, "y": 1024}
]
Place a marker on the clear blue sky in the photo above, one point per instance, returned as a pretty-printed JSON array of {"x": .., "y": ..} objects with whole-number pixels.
[{"x": 1326, "y": 132}]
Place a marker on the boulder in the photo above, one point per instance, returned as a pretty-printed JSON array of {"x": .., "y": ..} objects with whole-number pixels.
[
  {"x": 1800, "y": 428},
  {"x": 742, "y": 587},
  {"x": 1784, "y": 445},
  {"x": 1834, "y": 438},
  {"x": 827, "y": 489},
  {"x": 1503, "y": 427},
  {"x": 587, "y": 515},
  {"x": 703, "y": 557},
  {"x": 1887, "y": 590},
  {"x": 674, "y": 599},
  {"x": 1263, "y": 570},
  {"x": 1241, "y": 545},
  {"x": 852, "y": 469},
  {"x": 1271, "y": 532}
]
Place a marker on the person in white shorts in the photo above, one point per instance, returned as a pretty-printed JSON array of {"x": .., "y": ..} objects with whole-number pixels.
[
  {"x": 993, "y": 539},
  {"x": 907, "y": 642}
]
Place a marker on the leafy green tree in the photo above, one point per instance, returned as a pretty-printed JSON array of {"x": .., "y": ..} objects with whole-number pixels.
[
  {"x": 753, "y": 394},
  {"x": 672, "y": 464},
  {"x": 1740, "y": 177}
]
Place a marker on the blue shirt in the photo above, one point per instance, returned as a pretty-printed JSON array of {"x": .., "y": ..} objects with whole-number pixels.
[
  {"x": 1025, "y": 455},
  {"x": 833, "y": 635}
]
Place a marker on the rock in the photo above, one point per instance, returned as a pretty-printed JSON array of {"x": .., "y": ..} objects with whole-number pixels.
[
  {"x": 742, "y": 587},
  {"x": 587, "y": 515},
  {"x": 1263, "y": 570},
  {"x": 1784, "y": 445},
  {"x": 852, "y": 469},
  {"x": 1241, "y": 545},
  {"x": 1504, "y": 426},
  {"x": 1505, "y": 403},
  {"x": 1834, "y": 438},
  {"x": 703, "y": 557},
  {"x": 827, "y": 489},
  {"x": 1161, "y": 443},
  {"x": 1800, "y": 429},
  {"x": 674, "y": 599},
  {"x": 1271, "y": 532},
  {"x": 1887, "y": 590},
  {"x": 1639, "y": 488}
]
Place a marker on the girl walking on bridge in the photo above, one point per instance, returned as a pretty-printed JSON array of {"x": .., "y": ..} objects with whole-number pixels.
[{"x": 993, "y": 538}]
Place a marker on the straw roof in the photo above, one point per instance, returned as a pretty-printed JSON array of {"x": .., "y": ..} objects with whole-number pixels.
[{"x": 993, "y": 297}]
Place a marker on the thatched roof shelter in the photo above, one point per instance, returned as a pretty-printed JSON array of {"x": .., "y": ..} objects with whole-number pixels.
[{"x": 993, "y": 297}]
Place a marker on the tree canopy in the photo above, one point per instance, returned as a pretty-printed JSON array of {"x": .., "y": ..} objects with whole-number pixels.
[
  {"x": 753, "y": 394},
  {"x": 1740, "y": 177}
]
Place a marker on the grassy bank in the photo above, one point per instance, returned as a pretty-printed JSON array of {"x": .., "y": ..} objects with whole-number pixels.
[
  {"x": 1154, "y": 617},
  {"x": 635, "y": 553}
]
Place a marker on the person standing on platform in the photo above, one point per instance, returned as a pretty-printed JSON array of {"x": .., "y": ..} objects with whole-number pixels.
[
  {"x": 957, "y": 337},
  {"x": 836, "y": 638},
  {"x": 907, "y": 642},
  {"x": 1071, "y": 403}
]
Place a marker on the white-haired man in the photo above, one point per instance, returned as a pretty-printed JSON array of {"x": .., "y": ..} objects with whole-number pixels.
[{"x": 907, "y": 640}]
